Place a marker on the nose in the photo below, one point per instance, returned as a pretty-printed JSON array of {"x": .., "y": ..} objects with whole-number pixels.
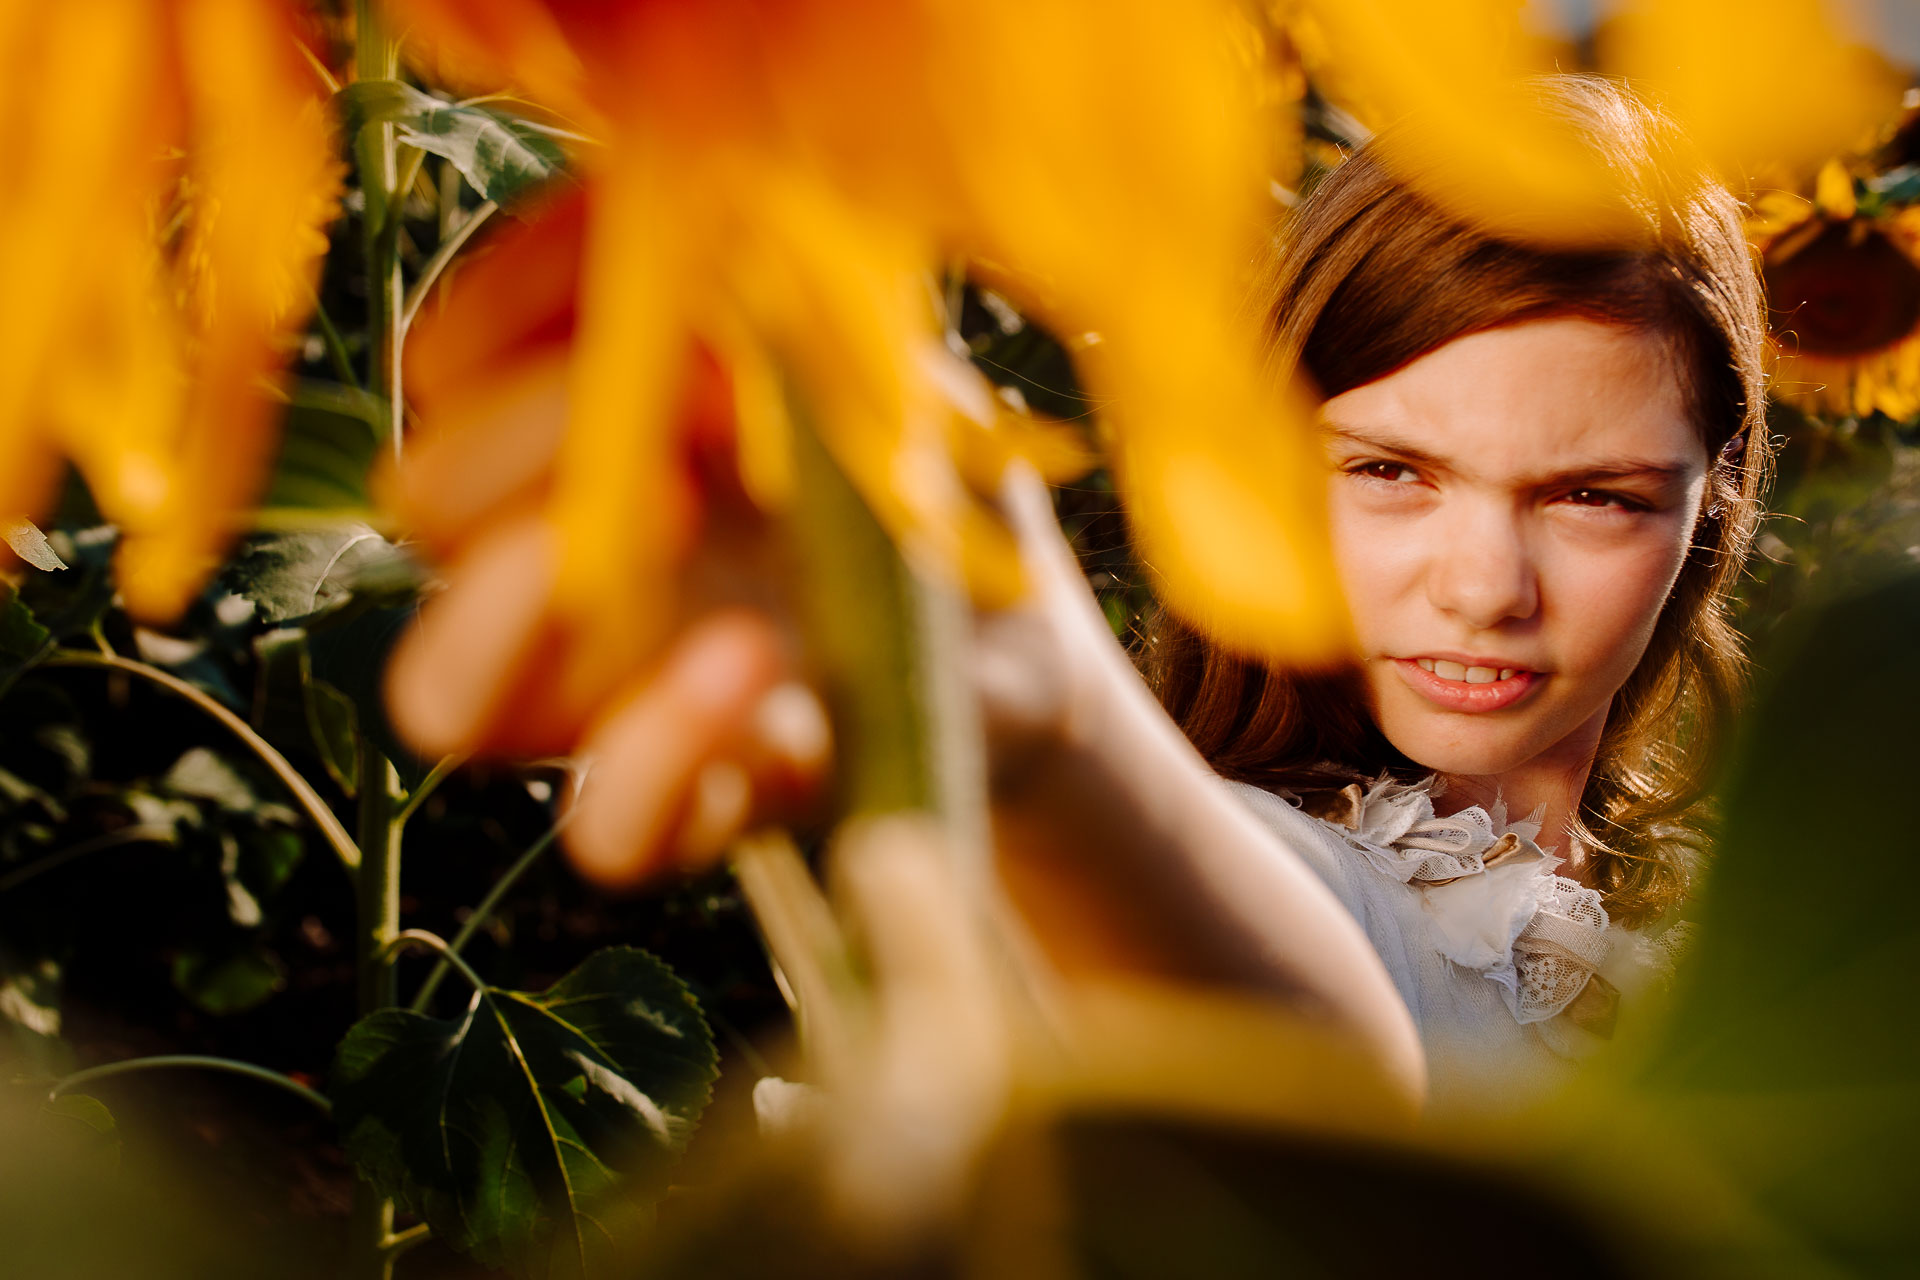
[{"x": 1481, "y": 569}]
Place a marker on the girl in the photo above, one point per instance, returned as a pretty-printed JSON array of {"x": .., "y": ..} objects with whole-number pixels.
[{"x": 1543, "y": 470}]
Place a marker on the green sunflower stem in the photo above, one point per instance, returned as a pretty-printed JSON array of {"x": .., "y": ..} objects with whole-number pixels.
[
  {"x": 890, "y": 643},
  {"x": 370, "y": 1221},
  {"x": 377, "y": 925},
  {"x": 376, "y": 158}
]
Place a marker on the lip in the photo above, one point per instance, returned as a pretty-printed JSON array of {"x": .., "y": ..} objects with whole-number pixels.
[{"x": 1453, "y": 695}]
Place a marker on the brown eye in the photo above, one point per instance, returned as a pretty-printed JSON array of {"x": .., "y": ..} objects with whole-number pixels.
[
  {"x": 1393, "y": 472},
  {"x": 1603, "y": 498}
]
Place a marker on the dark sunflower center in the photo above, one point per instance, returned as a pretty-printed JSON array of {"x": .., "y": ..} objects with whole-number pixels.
[{"x": 1845, "y": 294}]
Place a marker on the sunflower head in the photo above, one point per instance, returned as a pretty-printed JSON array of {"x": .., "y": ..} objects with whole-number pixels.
[{"x": 1843, "y": 289}]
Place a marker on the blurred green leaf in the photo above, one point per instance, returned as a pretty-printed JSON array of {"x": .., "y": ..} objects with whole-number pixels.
[
  {"x": 268, "y": 857},
  {"x": 89, "y": 1113},
  {"x": 329, "y": 437},
  {"x": 86, "y": 1128},
  {"x": 350, "y": 654},
  {"x": 69, "y": 1210},
  {"x": 331, "y": 720},
  {"x": 22, "y": 639},
  {"x": 70, "y": 604},
  {"x": 508, "y": 1128},
  {"x": 228, "y": 983},
  {"x": 305, "y": 574},
  {"x": 30, "y": 1044},
  {"x": 201, "y": 774},
  {"x": 288, "y": 700},
  {"x": 499, "y": 154},
  {"x": 1791, "y": 1063}
]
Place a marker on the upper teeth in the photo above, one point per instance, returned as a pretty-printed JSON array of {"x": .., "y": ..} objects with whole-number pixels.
[{"x": 1472, "y": 675}]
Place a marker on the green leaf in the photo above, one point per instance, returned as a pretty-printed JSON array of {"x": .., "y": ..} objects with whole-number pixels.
[
  {"x": 307, "y": 573},
  {"x": 499, "y": 154},
  {"x": 349, "y": 653},
  {"x": 515, "y": 1128},
  {"x": 85, "y": 1127},
  {"x": 332, "y": 722},
  {"x": 30, "y": 996},
  {"x": 223, "y": 984},
  {"x": 22, "y": 639},
  {"x": 1790, "y": 1059},
  {"x": 268, "y": 858},
  {"x": 203, "y": 775},
  {"x": 290, "y": 703},
  {"x": 70, "y": 604},
  {"x": 329, "y": 437},
  {"x": 89, "y": 1113}
]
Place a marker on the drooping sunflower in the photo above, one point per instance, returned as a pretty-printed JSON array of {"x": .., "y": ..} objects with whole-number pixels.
[{"x": 1843, "y": 290}]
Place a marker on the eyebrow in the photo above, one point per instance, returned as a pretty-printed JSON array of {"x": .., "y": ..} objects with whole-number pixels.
[{"x": 1599, "y": 470}]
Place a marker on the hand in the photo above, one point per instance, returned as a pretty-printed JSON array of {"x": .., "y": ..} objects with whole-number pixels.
[{"x": 715, "y": 732}]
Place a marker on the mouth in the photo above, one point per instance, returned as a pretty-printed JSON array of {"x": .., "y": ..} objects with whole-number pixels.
[{"x": 1461, "y": 686}]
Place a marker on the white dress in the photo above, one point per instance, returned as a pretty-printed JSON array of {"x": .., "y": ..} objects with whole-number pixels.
[{"x": 1510, "y": 971}]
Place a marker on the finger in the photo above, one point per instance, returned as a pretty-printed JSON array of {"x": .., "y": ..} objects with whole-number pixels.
[
  {"x": 773, "y": 773},
  {"x": 788, "y": 747},
  {"x": 1028, "y": 504},
  {"x": 649, "y": 755}
]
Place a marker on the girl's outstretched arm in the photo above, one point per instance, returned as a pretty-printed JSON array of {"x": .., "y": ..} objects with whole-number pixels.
[
  {"x": 1124, "y": 853},
  {"x": 1123, "y": 850}
]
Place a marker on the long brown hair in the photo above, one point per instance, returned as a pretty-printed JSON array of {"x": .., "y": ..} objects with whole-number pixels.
[{"x": 1369, "y": 276}]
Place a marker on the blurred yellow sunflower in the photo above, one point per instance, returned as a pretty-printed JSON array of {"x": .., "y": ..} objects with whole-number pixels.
[
  {"x": 1757, "y": 85},
  {"x": 779, "y": 180},
  {"x": 1843, "y": 291},
  {"x": 161, "y": 219}
]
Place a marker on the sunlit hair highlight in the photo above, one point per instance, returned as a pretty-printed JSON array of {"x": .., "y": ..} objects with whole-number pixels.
[{"x": 1369, "y": 276}]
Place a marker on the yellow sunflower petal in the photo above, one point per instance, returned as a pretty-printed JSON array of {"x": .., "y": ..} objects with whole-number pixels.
[
  {"x": 1120, "y": 175},
  {"x": 1833, "y": 191},
  {"x": 261, "y": 155},
  {"x": 83, "y": 80},
  {"x": 618, "y": 512},
  {"x": 1774, "y": 213},
  {"x": 1448, "y": 86},
  {"x": 1757, "y": 84}
]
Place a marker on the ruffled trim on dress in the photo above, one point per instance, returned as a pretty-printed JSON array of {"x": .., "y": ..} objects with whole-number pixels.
[{"x": 1496, "y": 905}]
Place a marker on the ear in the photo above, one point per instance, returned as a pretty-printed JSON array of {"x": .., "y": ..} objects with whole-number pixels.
[{"x": 1723, "y": 476}]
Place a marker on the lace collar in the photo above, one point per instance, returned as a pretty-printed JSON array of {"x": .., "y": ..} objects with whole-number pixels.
[{"x": 1491, "y": 892}]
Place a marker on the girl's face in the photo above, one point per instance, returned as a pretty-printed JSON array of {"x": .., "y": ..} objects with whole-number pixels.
[{"x": 1509, "y": 513}]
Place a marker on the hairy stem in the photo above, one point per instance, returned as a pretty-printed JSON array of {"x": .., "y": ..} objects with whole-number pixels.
[
  {"x": 378, "y": 886},
  {"x": 379, "y": 898},
  {"x": 375, "y": 159},
  {"x": 377, "y": 924}
]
